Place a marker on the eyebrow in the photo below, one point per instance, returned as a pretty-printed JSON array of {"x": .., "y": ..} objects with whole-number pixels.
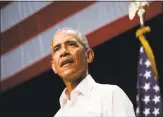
[
  {"x": 66, "y": 42},
  {"x": 70, "y": 41}
]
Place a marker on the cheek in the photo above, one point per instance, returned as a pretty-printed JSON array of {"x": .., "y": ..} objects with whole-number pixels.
[
  {"x": 55, "y": 59},
  {"x": 81, "y": 59}
]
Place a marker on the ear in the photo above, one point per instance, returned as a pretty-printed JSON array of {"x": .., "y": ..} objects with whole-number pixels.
[
  {"x": 90, "y": 55},
  {"x": 53, "y": 67}
]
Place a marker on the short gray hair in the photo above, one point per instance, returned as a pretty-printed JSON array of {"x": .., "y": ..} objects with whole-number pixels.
[{"x": 79, "y": 35}]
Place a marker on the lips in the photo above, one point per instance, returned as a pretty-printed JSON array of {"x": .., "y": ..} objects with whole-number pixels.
[{"x": 65, "y": 62}]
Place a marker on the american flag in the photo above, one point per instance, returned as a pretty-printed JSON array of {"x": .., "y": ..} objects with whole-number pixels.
[{"x": 149, "y": 101}]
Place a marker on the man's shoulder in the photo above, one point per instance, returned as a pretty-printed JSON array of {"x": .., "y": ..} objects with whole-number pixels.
[
  {"x": 107, "y": 88},
  {"x": 105, "y": 92}
]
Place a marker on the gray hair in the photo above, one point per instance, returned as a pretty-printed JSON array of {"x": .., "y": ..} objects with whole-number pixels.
[{"x": 79, "y": 35}]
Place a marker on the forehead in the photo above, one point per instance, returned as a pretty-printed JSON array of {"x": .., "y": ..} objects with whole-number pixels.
[{"x": 63, "y": 36}]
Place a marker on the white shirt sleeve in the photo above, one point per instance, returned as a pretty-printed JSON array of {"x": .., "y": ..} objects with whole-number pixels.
[{"x": 121, "y": 104}]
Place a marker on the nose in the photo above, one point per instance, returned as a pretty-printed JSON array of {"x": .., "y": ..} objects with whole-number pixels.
[{"x": 64, "y": 52}]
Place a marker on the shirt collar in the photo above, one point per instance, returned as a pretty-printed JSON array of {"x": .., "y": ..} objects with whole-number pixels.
[{"x": 84, "y": 87}]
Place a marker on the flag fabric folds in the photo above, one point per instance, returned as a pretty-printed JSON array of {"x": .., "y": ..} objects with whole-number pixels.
[{"x": 149, "y": 100}]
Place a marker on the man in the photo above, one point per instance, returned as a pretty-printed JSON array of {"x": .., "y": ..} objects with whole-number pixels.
[{"x": 82, "y": 95}]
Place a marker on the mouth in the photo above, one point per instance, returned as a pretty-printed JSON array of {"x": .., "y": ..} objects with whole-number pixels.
[{"x": 67, "y": 62}]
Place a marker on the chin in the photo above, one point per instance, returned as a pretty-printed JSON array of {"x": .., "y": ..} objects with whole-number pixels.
[{"x": 70, "y": 74}]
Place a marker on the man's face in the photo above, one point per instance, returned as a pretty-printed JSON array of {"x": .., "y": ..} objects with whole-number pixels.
[{"x": 68, "y": 55}]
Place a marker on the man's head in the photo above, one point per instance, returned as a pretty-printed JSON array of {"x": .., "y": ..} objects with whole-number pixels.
[{"x": 70, "y": 54}]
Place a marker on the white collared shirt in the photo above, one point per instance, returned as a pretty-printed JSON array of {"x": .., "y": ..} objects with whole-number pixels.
[{"x": 93, "y": 99}]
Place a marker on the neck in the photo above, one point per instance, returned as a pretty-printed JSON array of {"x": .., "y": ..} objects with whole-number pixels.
[
  {"x": 71, "y": 85},
  {"x": 69, "y": 88}
]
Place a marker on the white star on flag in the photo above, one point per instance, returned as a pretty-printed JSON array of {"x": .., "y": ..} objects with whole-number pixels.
[
  {"x": 147, "y": 74},
  {"x": 146, "y": 99},
  {"x": 156, "y": 88},
  {"x": 156, "y": 99},
  {"x": 156, "y": 111},
  {"x": 141, "y": 50},
  {"x": 146, "y": 86},
  {"x": 147, "y": 63},
  {"x": 137, "y": 110},
  {"x": 146, "y": 112},
  {"x": 137, "y": 98},
  {"x": 141, "y": 61}
]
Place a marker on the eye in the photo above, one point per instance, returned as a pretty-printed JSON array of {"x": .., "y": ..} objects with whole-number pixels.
[
  {"x": 72, "y": 43},
  {"x": 55, "y": 49}
]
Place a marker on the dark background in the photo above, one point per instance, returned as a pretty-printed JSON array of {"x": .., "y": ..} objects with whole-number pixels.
[{"x": 115, "y": 63}]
